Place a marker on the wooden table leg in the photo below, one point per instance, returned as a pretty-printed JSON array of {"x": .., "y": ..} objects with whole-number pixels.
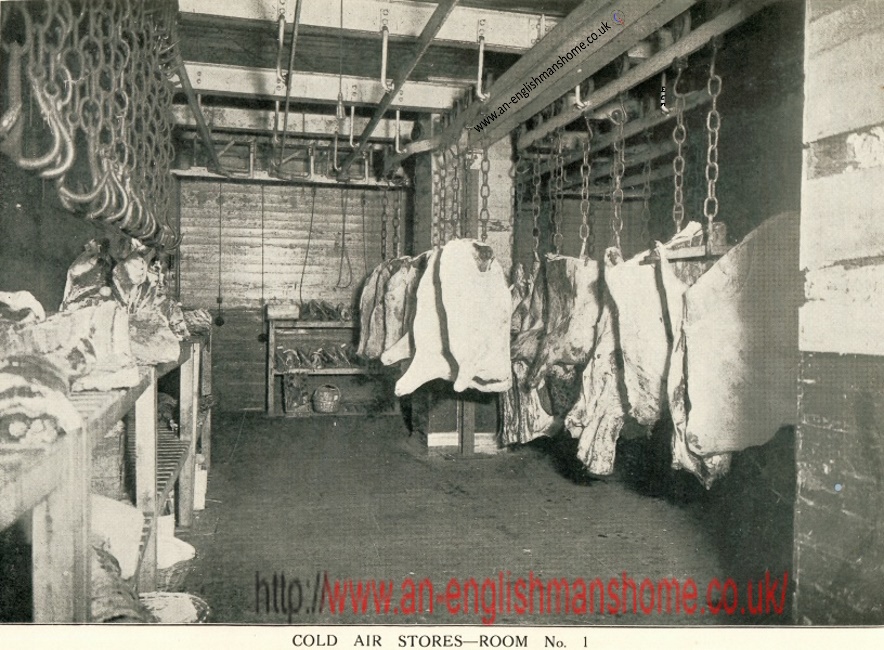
[
  {"x": 146, "y": 476},
  {"x": 188, "y": 405}
]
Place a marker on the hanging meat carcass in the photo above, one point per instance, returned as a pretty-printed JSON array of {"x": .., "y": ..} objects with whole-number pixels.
[
  {"x": 643, "y": 337},
  {"x": 527, "y": 339},
  {"x": 400, "y": 302},
  {"x": 431, "y": 360},
  {"x": 522, "y": 413},
  {"x": 706, "y": 469},
  {"x": 597, "y": 417},
  {"x": 462, "y": 319},
  {"x": 371, "y": 309},
  {"x": 741, "y": 338},
  {"x": 572, "y": 310},
  {"x": 478, "y": 307}
]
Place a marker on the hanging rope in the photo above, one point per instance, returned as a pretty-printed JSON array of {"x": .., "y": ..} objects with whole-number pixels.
[
  {"x": 618, "y": 168},
  {"x": 679, "y": 135},
  {"x": 307, "y": 249},
  {"x": 219, "y": 318},
  {"x": 587, "y": 243},
  {"x": 345, "y": 254},
  {"x": 262, "y": 246},
  {"x": 484, "y": 193},
  {"x": 713, "y": 124}
]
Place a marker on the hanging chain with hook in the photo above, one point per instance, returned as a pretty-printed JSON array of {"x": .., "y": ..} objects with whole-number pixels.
[
  {"x": 397, "y": 217},
  {"x": 443, "y": 196},
  {"x": 713, "y": 125},
  {"x": 455, "y": 195},
  {"x": 646, "y": 196},
  {"x": 435, "y": 235},
  {"x": 535, "y": 207},
  {"x": 385, "y": 199},
  {"x": 587, "y": 243},
  {"x": 618, "y": 168},
  {"x": 679, "y": 135},
  {"x": 484, "y": 193},
  {"x": 557, "y": 180}
]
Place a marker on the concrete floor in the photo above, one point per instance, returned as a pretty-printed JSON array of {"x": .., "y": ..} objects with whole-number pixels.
[{"x": 354, "y": 499}]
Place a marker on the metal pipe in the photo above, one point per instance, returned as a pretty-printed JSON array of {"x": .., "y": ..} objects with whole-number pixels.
[{"x": 288, "y": 79}]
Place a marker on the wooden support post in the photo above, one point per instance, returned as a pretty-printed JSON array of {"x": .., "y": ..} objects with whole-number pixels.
[
  {"x": 206, "y": 393},
  {"x": 146, "y": 476},
  {"x": 188, "y": 405},
  {"x": 467, "y": 425},
  {"x": 60, "y": 555}
]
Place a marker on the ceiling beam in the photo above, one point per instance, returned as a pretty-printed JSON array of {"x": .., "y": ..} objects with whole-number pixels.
[
  {"x": 579, "y": 24},
  {"x": 247, "y": 82},
  {"x": 634, "y": 127},
  {"x": 690, "y": 43},
  {"x": 434, "y": 24},
  {"x": 313, "y": 125},
  {"x": 643, "y": 18},
  {"x": 505, "y": 31}
]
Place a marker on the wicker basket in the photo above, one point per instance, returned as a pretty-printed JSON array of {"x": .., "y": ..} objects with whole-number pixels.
[
  {"x": 175, "y": 609},
  {"x": 171, "y": 578},
  {"x": 327, "y": 399}
]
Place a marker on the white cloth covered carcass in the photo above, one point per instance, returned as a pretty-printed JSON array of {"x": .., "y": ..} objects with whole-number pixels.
[
  {"x": 462, "y": 321},
  {"x": 706, "y": 469},
  {"x": 741, "y": 336}
]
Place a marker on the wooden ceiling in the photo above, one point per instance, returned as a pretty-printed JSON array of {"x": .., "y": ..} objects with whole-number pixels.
[{"x": 232, "y": 49}]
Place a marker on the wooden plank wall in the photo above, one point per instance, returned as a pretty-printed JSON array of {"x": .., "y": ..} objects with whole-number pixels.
[
  {"x": 238, "y": 354},
  {"x": 839, "y": 540}
]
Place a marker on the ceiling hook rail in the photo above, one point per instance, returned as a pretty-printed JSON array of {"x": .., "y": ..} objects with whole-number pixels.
[
  {"x": 480, "y": 95},
  {"x": 385, "y": 42},
  {"x": 579, "y": 104},
  {"x": 397, "y": 149}
]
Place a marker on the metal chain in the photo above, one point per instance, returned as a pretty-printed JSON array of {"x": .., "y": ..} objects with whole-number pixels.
[
  {"x": 484, "y": 193},
  {"x": 587, "y": 245},
  {"x": 559, "y": 179},
  {"x": 443, "y": 197},
  {"x": 535, "y": 207},
  {"x": 102, "y": 70},
  {"x": 713, "y": 125},
  {"x": 436, "y": 231},
  {"x": 465, "y": 161},
  {"x": 384, "y": 207},
  {"x": 618, "y": 168},
  {"x": 397, "y": 216},
  {"x": 646, "y": 197},
  {"x": 455, "y": 195},
  {"x": 679, "y": 135},
  {"x": 516, "y": 189}
]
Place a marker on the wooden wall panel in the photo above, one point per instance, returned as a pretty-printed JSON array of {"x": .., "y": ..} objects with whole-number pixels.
[{"x": 283, "y": 240}]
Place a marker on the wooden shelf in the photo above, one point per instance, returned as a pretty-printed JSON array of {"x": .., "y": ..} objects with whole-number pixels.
[
  {"x": 331, "y": 371},
  {"x": 297, "y": 324}
]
